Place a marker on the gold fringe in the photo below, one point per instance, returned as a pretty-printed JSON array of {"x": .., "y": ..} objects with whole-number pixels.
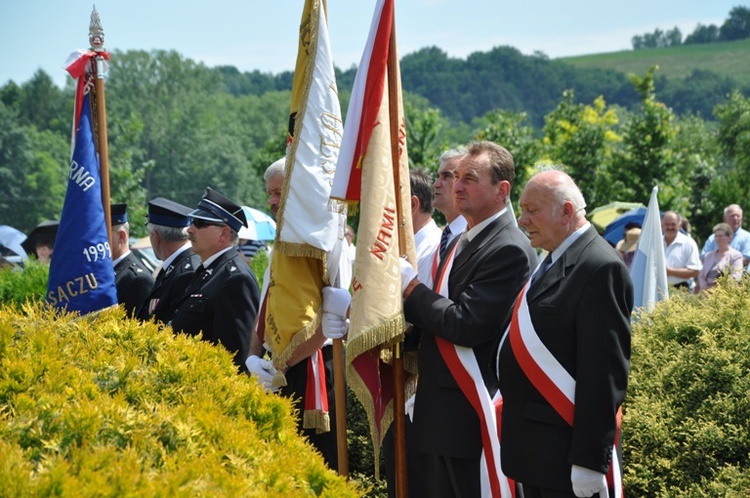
[
  {"x": 279, "y": 379},
  {"x": 382, "y": 334},
  {"x": 299, "y": 250},
  {"x": 316, "y": 419},
  {"x": 298, "y": 338}
]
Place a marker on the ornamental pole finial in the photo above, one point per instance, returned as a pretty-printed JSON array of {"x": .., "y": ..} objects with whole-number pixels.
[{"x": 96, "y": 33}]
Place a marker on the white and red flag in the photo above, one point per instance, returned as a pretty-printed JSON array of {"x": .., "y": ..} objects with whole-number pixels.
[{"x": 373, "y": 152}]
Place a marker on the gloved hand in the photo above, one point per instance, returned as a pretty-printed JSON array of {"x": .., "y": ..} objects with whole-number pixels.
[
  {"x": 264, "y": 369},
  {"x": 336, "y": 301},
  {"x": 334, "y": 326},
  {"x": 587, "y": 482},
  {"x": 408, "y": 273}
]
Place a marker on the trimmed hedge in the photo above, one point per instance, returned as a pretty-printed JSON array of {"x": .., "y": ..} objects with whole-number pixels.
[
  {"x": 108, "y": 406},
  {"x": 686, "y": 428}
]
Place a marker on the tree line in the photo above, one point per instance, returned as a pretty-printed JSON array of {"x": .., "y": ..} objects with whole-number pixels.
[
  {"x": 176, "y": 126},
  {"x": 735, "y": 27}
]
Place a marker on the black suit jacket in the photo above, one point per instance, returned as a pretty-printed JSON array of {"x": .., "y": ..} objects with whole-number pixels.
[
  {"x": 133, "y": 282},
  {"x": 169, "y": 287},
  {"x": 580, "y": 309},
  {"x": 484, "y": 280},
  {"x": 222, "y": 302}
]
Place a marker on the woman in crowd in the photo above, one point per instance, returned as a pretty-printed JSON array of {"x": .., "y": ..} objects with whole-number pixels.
[{"x": 720, "y": 261}]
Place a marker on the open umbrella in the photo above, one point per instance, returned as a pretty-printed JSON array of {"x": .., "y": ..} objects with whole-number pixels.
[
  {"x": 604, "y": 215},
  {"x": 615, "y": 231},
  {"x": 46, "y": 230},
  {"x": 260, "y": 225},
  {"x": 11, "y": 240}
]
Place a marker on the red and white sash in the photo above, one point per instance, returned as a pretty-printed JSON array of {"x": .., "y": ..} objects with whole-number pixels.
[
  {"x": 464, "y": 367},
  {"x": 550, "y": 378}
]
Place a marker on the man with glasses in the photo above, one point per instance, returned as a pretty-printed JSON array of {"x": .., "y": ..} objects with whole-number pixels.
[{"x": 221, "y": 300}]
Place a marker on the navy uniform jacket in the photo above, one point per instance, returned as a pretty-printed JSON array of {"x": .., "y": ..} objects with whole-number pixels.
[
  {"x": 485, "y": 278},
  {"x": 580, "y": 309},
  {"x": 169, "y": 287},
  {"x": 222, "y": 302},
  {"x": 133, "y": 282}
]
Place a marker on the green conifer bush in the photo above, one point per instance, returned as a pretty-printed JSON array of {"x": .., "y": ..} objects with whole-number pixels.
[
  {"x": 107, "y": 406},
  {"x": 686, "y": 427}
]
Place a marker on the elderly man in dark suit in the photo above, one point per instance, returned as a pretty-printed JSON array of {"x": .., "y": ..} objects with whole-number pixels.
[
  {"x": 132, "y": 279},
  {"x": 563, "y": 364},
  {"x": 459, "y": 321},
  {"x": 167, "y": 231},
  {"x": 221, "y": 300}
]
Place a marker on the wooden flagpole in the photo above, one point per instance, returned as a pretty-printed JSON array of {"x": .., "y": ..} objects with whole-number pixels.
[
  {"x": 339, "y": 382},
  {"x": 399, "y": 414},
  {"x": 96, "y": 41}
]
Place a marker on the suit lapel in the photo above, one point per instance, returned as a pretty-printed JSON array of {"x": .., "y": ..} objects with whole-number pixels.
[
  {"x": 480, "y": 241},
  {"x": 562, "y": 266}
]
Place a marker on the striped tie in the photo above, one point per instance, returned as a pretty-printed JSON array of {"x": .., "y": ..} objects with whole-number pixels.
[{"x": 444, "y": 240}]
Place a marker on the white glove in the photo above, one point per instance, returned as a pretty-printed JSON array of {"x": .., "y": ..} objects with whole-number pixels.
[
  {"x": 334, "y": 326},
  {"x": 587, "y": 482},
  {"x": 336, "y": 301},
  {"x": 408, "y": 273},
  {"x": 264, "y": 370}
]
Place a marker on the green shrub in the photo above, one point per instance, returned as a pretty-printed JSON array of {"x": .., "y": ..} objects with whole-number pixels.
[
  {"x": 18, "y": 285},
  {"x": 686, "y": 428},
  {"x": 108, "y": 406}
]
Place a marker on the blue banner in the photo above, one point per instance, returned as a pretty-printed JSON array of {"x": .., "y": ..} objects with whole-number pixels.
[{"x": 81, "y": 274}]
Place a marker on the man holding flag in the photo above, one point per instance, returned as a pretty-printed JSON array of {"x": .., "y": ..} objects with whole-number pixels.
[
  {"x": 309, "y": 236},
  {"x": 460, "y": 320}
]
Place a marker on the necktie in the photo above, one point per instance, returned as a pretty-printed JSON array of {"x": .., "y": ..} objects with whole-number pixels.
[
  {"x": 444, "y": 240},
  {"x": 463, "y": 241},
  {"x": 542, "y": 269}
]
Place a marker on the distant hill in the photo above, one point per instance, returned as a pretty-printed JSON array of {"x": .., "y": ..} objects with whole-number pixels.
[{"x": 729, "y": 59}]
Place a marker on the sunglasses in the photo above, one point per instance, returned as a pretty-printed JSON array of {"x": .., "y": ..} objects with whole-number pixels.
[{"x": 198, "y": 223}]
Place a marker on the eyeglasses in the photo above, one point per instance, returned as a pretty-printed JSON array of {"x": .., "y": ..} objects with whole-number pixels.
[{"x": 199, "y": 224}]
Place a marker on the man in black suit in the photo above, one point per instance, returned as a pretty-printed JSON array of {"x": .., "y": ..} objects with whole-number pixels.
[
  {"x": 221, "y": 300},
  {"x": 167, "y": 230},
  {"x": 132, "y": 279},
  {"x": 563, "y": 365},
  {"x": 475, "y": 285}
]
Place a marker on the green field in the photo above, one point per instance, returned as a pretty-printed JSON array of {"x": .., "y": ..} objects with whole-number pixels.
[{"x": 728, "y": 59}]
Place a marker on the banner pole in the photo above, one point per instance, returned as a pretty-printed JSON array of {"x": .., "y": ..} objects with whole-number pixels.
[
  {"x": 399, "y": 413},
  {"x": 96, "y": 41}
]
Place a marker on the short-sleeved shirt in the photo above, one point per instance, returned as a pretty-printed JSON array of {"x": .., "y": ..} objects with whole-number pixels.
[{"x": 682, "y": 253}]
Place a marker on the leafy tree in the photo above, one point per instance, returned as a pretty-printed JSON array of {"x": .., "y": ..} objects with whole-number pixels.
[
  {"x": 703, "y": 34},
  {"x": 510, "y": 130},
  {"x": 583, "y": 138},
  {"x": 42, "y": 104},
  {"x": 424, "y": 127},
  {"x": 698, "y": 93},
  {"x": 647, "y": 158},
  {"x": 737, "y": 26},
  {"x": 732, "y": 184},
  {"x": 33, "y": 167}
]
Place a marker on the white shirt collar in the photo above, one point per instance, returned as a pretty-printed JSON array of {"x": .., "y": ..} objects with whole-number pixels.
[
  {"x": 559, "y": 250},
  {"x": 213, "y": 257}
]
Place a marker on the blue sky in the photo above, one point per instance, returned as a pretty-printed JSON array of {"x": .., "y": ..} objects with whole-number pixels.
[{"x": 263, "y": 35}]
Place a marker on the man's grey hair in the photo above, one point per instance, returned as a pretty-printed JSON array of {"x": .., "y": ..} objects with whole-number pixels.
[
  {"x": 276, "y": 168},
  {"x": 169, "y": 234},
  {"x": 737, "y": 206},
  {"x": 452, "y": 154}
]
